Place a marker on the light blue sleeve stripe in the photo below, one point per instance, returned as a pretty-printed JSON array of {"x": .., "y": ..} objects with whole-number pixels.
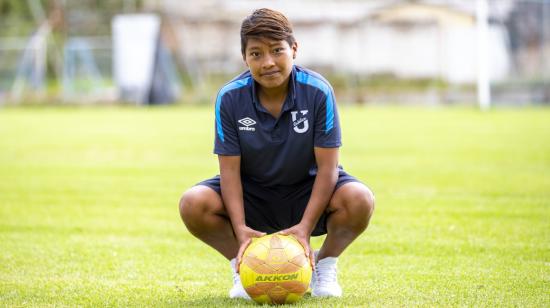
[
  {"x": 228, "y": 87},
  {"x": 321, "y": 85}
]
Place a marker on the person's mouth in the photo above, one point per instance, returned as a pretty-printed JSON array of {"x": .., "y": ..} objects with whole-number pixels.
[{"x": 271, "y": 73}]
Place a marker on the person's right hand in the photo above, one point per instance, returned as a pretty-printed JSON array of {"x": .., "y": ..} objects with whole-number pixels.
[{"x": 244, "y": 237}]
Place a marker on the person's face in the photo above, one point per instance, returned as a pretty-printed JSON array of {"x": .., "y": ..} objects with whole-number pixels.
[{"x": 270, "y": 61}]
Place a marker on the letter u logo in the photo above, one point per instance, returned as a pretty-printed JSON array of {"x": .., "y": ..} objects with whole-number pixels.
[{"x": 300, "y": 125}]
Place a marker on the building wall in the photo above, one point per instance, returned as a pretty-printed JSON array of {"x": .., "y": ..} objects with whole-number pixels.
[{"x": 424, "y": 49}]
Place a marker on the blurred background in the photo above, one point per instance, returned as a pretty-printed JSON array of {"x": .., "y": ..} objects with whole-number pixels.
[{"x": 423, "y": 52}]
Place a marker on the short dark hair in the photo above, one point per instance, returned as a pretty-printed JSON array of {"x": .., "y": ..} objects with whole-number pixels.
[{"x": 266, "y": 23}]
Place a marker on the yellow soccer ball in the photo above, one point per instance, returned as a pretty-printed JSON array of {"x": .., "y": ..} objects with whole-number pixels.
[{"x": 275, "y": 270}]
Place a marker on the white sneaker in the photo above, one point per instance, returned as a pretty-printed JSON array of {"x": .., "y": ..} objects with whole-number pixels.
[
  {"x": 237, "y": 291},
  {"x": 313, "y": 274},
  {"x": 324, "y": 281}
]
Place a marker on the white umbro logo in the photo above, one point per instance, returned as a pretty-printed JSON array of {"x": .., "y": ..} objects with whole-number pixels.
[{"x": 247, "y": 122}]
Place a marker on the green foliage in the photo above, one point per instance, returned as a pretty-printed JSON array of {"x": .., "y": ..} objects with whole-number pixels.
[
  {"x": 88, "y": 208},
  {"x": 16, "y": 8},
  {"x": 16, "y": 18},
  {"x": 82, "y": 17}
]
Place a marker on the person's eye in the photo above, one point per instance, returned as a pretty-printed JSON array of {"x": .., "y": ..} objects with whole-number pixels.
[
  {"x": 278, "y": 50},
  {"x": 254, "y": 54}
]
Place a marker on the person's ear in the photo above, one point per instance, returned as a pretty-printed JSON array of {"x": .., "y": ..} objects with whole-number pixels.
[
  {"x": 294, "y": 48},
  {"x": 244, "y": 60}
]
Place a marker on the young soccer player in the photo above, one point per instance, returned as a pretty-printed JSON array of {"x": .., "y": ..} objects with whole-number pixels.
[{"x": 277, "y": 139}]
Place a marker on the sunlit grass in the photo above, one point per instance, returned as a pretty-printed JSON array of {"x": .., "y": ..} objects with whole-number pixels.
[{"x": 88, "y": 208}]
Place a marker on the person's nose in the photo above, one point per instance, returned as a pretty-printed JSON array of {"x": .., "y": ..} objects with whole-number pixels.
[{"x": 268, "y": 61}]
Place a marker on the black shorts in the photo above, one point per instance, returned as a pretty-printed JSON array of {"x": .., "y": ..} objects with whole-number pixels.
[{"x": 272, "y": 209}]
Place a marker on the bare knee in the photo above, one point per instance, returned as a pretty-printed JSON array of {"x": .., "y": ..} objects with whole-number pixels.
[
  {"x": 196, "y": 202},
  {"x": 356, "y": 202},
  {"x": 186, "y": 204},
  {"x": 367, "y": 201}
]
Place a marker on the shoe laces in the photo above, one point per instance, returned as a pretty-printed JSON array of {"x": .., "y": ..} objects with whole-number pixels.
[
  {"x": 236, "y": 278},
  {"x": 326, "y": 272}
]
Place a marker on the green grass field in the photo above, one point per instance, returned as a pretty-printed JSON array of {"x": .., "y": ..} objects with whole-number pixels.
[{"x": 88, "y": 208}]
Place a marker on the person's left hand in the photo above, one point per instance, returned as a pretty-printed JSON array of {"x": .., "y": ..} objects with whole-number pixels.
[{"x": 301, "y": 234}]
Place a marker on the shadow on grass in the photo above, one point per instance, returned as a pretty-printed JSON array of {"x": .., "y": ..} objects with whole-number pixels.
[
  {"x": 215, "y": 301},
  {"x": 224, "y": 301}
]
